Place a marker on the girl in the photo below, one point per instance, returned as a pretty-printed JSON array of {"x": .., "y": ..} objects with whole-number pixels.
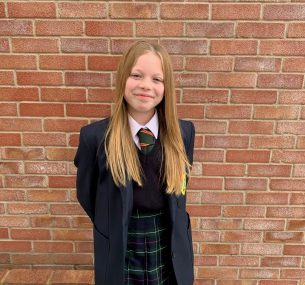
[{"x": 132, "y": 173}]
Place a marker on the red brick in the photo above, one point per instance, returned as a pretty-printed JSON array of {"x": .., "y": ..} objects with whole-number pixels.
[
  {"x": 18, "y": 124},
  {"x": 184, "y": 11},
  {"x": 8, "y": 167},
  {"x": 220, "y": 249},
  {"x": 81, "y": 222},
  {"x": 87, "y": 79},
  {"x": 63, "y": 94},
  {"x": 109, "y": 63},
  {"x": 23, "y": 153},
  {"x": 133, "y": 10},
  {"x": 236, "y": 11},
  {"x": 249, "y": 156},
  {"x": 72, "y": 276},
  {"x": 191, "y": 80},
  {"x": 226, "y": 141},
  {"x": 15, "y": 246},
  {"x": 233, "y": 47},
  {"x": 58, "y": 28},
  {"x": 299, "y": 171},
  {"x": 159, "y": 29},
  {"x": 294, "y": 249},
  {"x": 261, "y": 198},
  {"x": 50, "y": 221},
  {"x": 258, "y": 273},
  {"x": 245, "y": 184},
  {"x": 84, "y": 247},
  {"x": 262, "y": 249},
  {"x": 237, "y": 282},
  {"x": 285, "y": 212},
  {"x": 222, "y": 198},
  {"x": 8, "y": 109},
  {"x": 223, "y": 170},
  {"x": 284, "y": 237},
  {"x": 204, "y": 211},
  {"x": 60, "y": 209},
  {"x": 301, "y": 142},
  {"x": 296, "y": 225},
  {"x": 277, "y": 282},
  {"x": 225, "y": 111},
  {"x": 4, "y": 45},
  {"x": 297, "y": 128},
  {"x": 60, "y": 154},
  {"x": 227, "y": 80},
  {"x": 82, "y": 10},
  {"x": 62, "y": 181},
  {"x": 184, "y": 112},
  {"x": 287, "y": 184},
  {"x": 208, "y": 156},
  {"x": 31, "y": 10},
  {"x": 13, "y": 195},
  {"x": 14, "y": 221},
  {"x": 2, "y": 14},
  {"x": 258, "y": 64},
  {"x": 208, "y": 64},
  {"x": 260, "y": 30},
  {"x": 210, "y": 127},
  {"x": 47, "y": 196},
  {"x": 241, "y": 237},
  {"x": 88, "y": 110},
  {"x": 284, "y": 12},
  {"x": 217, "y": 273},
  {"x": 105, "y": 95},
  {"x": 294, "y": 65},
  {"x": 30, "y": 234},
  {"x": 15, "y": 28},
  {"x": 86, "y": 45},
  {"x": 64, "y": 125},
  {"x": 10, "y": 139},
  {"x": 41, "y": 109},
  {"x": 253, "y": 96},
  {"x": 280, "y": 142},
  {"x": 243, "y": 211},
  {"x": 269, "y": 170},
  {"x": 296, "y": 30},
  {"x": 44, "y": 139},
  {"x": 19, "y": 94},
  {"x": 74, "y": 235},
  {"x": 30, "y": 208},
  {"x": 6, "y": 78},
  {"x": 17, "y": 62},
  {"x": 39, "y": 78},
  {"x": 25, "y": 181},
  {"x": 293, "y": 274},
  {"x": 51, "y": 247},
  {"x": 175, "y": 46},
  {"x": 287, "y": 156},
  {"x": 282, "y": 47},
  {"x": 59, "y": 62},
  {"x": 32, "y": 45},
  {"x": 221, "y": 224},
  {"x": 243, "y": 261},
  {"x": 284, "y": 261},
  {"x": 285, "y": 81},
  {"x": 45, "y": 167},
  {"x": 210, "y": 30},
  {"x": 250, "y": 127},
  {"x": 204, "y": 96},
  {"x": 109, "y": 28}
]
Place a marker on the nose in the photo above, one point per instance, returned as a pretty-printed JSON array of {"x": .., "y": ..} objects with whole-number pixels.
[{"x": 145, "y": 83}]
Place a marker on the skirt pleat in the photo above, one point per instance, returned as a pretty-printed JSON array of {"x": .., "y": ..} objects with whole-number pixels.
[{"x": 148, "y": 260}]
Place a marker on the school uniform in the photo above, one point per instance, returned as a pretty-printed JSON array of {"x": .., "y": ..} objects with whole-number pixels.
[{"x": 115, "y": 213}]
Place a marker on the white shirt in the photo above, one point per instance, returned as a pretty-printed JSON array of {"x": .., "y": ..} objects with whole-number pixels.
[{"x": 152, "y": 125}]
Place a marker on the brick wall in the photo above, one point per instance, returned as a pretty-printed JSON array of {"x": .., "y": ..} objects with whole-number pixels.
[{"x": 240, "y": 78}]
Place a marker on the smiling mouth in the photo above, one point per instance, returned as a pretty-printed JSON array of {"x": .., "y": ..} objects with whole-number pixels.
[{"x": 143, "y": 96}]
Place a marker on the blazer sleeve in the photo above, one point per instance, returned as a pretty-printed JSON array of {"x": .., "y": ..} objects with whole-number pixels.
[
  {"x": 86, "y": 179},
  {"x": 190, "y": 148}
]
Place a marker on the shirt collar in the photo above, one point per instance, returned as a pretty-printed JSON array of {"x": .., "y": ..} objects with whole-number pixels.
[{"x": 153, "y": 125}]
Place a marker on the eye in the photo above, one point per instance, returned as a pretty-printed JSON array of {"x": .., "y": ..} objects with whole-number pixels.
[
  {"x": 135, "y": 75},
  {"x": 158, "y": 79}
]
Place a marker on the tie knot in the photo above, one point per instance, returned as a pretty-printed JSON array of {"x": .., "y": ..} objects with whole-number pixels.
[{"x": 146, "y": 139}]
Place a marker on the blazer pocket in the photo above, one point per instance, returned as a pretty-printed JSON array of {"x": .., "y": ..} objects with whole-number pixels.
[{"x": 101, "y": 254}]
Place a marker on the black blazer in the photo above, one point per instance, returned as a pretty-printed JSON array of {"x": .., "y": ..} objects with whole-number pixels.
[{"x": 109, "y": 207}]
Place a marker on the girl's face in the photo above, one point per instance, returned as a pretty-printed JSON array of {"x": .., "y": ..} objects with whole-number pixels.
[{"x": 144, "y": 88}]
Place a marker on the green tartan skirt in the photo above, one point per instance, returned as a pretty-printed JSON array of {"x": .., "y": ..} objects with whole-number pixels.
[{"x": 148, "y": 256}]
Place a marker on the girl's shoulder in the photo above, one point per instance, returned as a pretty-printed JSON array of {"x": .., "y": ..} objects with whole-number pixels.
[{"x": 94, "y": 132}]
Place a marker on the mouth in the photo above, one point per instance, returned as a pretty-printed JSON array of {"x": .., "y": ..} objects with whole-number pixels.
[{"x": 144, "y": 95}]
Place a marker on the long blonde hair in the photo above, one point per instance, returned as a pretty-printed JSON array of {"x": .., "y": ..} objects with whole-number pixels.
[{"x": 121, "y": 152}]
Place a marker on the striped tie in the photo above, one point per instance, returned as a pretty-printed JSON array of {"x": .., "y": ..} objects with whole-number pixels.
[{"x": 147, "y": 140}]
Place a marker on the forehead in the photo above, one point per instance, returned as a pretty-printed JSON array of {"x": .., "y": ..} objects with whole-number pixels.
[{"x": 149, "y": 60}]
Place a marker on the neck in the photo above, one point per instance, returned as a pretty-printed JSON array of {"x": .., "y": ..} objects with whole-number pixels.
[{"x": 142, "y": 119}]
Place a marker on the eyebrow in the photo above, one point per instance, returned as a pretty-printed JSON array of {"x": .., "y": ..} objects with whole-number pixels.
[{"x": 140, "y": 70}]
